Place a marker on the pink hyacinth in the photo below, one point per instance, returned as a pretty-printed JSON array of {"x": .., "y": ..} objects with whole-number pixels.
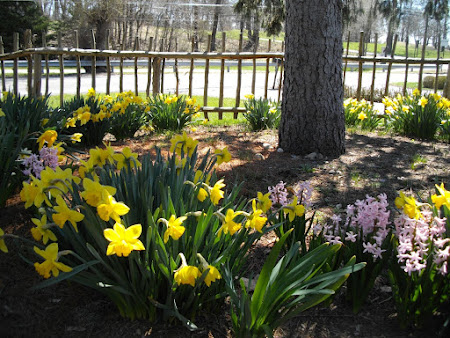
[
  {"x": 366, "y": 220},
  {"x": 278, "y": 194}
]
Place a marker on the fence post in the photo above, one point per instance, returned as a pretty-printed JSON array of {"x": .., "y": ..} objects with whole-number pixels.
[
  {"x": 423, "y": 54},
  {"x": 37, "y": 75},
  {"x": 266, "y": 82},
  {"x": 446, "y": 92},
  {"x": 156, "y": 75},
  {"x": 222, "y": 75},
  {"x": 406, "y": 67},
  {"x": 61, "y": 72},
  {"x": 78, "y": 60},
  {"x": 205, "y": 89},
  {"x": 191, "y": 69},
  {"x": 108, "y": 64},
  {"x": 27, "y": 45},
  {"x": 93, "y": 70},
  {"x": 149, "y": 75},
  {"x": 239, "y": 79},
  {"x": 2, "y": 51},
  {"x": 360, "y": 53},
  {"x": 388, "y": 75},
  {"x": 372, "y": 87},
  {"x": 437, "y": 65},
  {"x": 346, "y": 54},
  {"x": 163, "y": 65},
  {"x": 16, "y": 65},
  {"x": 47, "y": 67},
  {"x": 136, "y": 47}
]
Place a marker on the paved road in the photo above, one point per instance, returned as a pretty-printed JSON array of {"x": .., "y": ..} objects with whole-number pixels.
[{"x": 230, "y": 82}]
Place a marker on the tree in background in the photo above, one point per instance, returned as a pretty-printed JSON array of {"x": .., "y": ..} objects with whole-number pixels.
[{"x": 18, "y": 16}]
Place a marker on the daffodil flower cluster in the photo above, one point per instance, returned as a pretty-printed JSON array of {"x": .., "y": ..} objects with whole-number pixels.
[
  {"x": 417, "y": 115},
  {"x": 189, "y": 274},
  {"x": 171, "y": 112},
  {"x": 360, "y": 113},
  {"x": 261, "y": 113}
]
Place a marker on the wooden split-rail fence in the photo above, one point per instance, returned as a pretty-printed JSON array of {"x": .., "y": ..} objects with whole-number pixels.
[{"x": 39, "y": 59}]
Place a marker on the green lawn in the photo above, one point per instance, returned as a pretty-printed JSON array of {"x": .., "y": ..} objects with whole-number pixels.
[{"x": 400, "y": 49}]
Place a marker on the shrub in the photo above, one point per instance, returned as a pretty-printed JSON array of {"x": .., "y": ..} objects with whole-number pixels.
[
  {"x": 127, "y": 114},
  {"x": 170, "y": 112},
  {"x": 262, "y": 113},
  {"x": 429, "y": 81},
  {"x": 416, "y": 115}
]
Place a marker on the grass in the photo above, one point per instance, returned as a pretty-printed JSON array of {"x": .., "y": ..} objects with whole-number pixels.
[
  {"x": 400, "y": 49},
  {"x": 416, "y": 160}
]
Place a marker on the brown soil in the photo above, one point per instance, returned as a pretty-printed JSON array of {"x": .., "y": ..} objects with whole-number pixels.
[{"x": 372, "y": 164}]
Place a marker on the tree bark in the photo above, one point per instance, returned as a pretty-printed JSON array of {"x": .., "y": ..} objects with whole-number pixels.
[
  {"x": 215, "y": 24},
  {"x": 312, "y": 107}
]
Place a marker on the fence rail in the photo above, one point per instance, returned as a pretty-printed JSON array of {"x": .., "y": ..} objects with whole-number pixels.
[{"x": 151, "y": 65}]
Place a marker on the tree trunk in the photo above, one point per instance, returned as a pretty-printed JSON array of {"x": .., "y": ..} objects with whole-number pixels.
[
  {"x": 312, "y": 106},
  {"x": 215, "y": 24}
]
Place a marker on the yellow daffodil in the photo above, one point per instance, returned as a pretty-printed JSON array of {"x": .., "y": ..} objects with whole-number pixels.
[
  {"x": 91, "y": 92},
  {"x": 84, "y": 118},
  {"x": 409, "y": 206},
  {"x": 70, "y": 123},
  {"x": 76, "y": 137},
  {"x": 100, "y": 156},
  {"x": 202, "y": 194},
  {"x": 125, "y": 157},
  {"x": 416, "y": 92},
  {"x": 263, "y": 201},
  {"x": 443, "y": 198},
  {"x": 362, "y": 116},
  {"x": 32, "y": 193},
  {"x": 110, "y": 208},
  {"x": 423, "y": 101},
  {"x": 191, "y": 102},
  {"x": 64, "y": 214},
  {"x": 48, "y": 137},
  {"x": 255, "y": 220},
  {"x": 205, "y": 121},
  {"x": 249, "y": 96},
  {"x": 51, "y": 264},
  {"x": 123, "y": 241},
  {"x": 41, "y": 231},
  {"x": 212, "y": 276},
  {"x": 216, "y": 194},
  {"x": 186, "y": 274},
  {"x": 184, "y": 142},
  {"x": 294, "y": 209},
  {"x": 61, "y": 179},
  {"x": 228, "y": 225},
  {"x": 174, "y": 228},
  {"x": 3, "y": 246},
  {"x": 222, "y": 155},
  {"x": 93, "y": 192}
]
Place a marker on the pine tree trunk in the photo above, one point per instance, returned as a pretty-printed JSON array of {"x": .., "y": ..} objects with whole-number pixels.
[{"x": 312, "y": 107}]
